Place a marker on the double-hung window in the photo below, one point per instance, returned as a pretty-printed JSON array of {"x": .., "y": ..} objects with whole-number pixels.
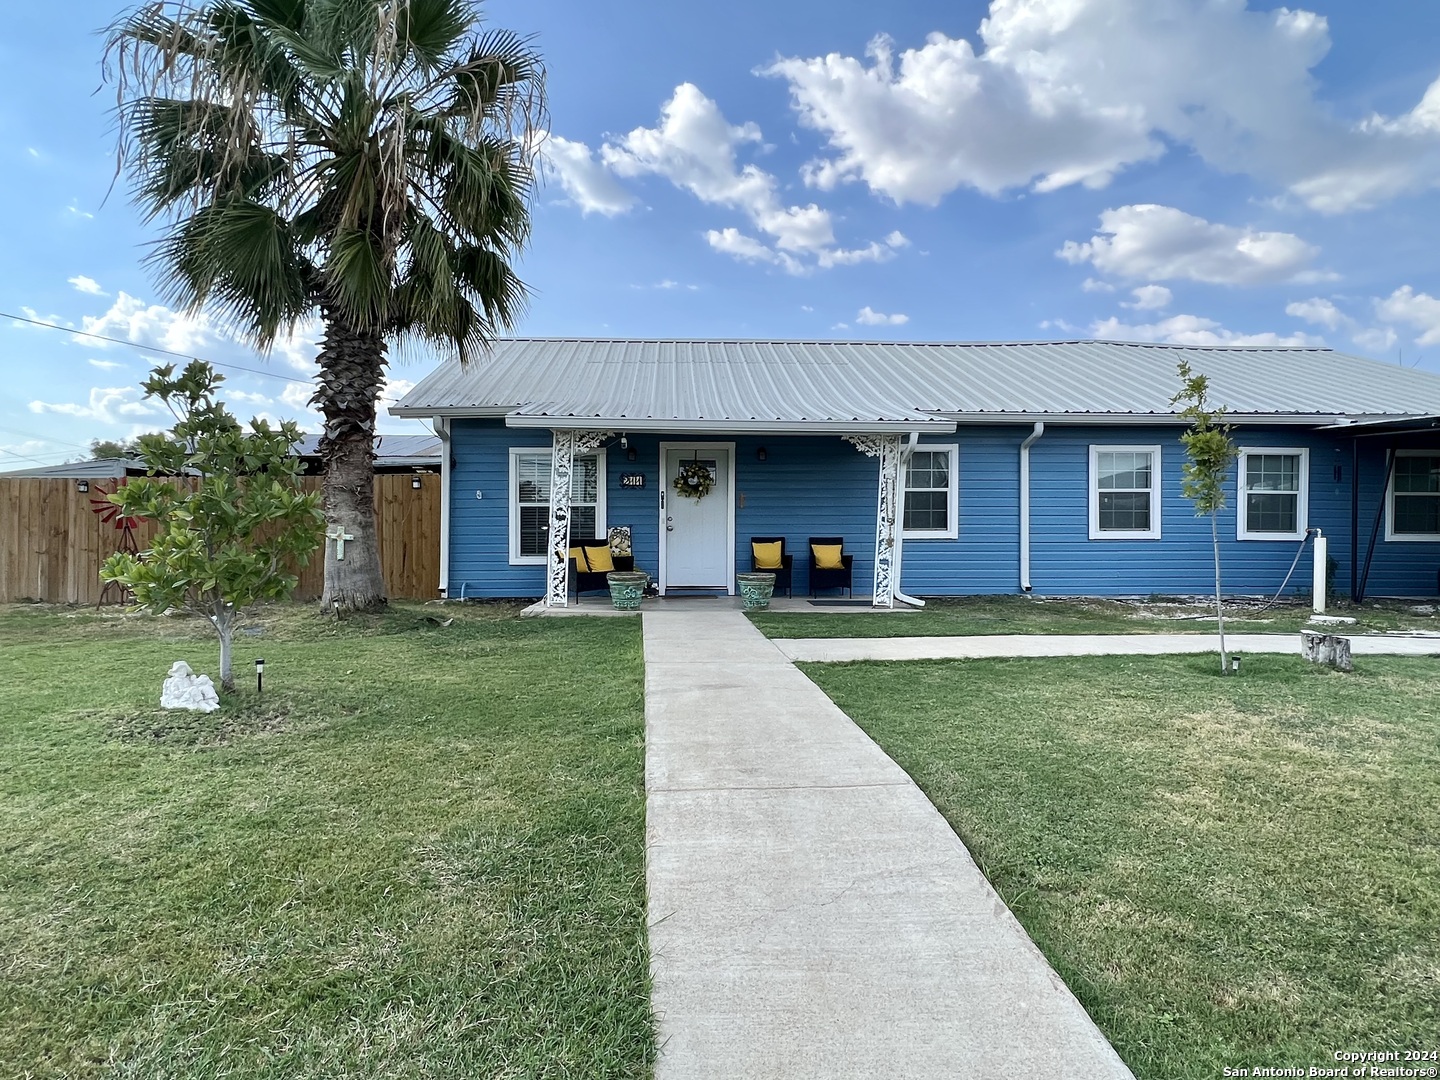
[
  {"x": 1124, "y": 493},
  {"x": 932, "y": 502},
  {"x": 1415, "y": 496},
  {"x": 1274, "y": 493},
  {"x": 530, "y": 501}
]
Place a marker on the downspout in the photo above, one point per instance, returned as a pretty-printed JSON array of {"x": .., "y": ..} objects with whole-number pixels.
[
  {"x": 904, "y": 598},
  {"x": 1025, "y": 504},
  {"x": 442, "y": 431}
]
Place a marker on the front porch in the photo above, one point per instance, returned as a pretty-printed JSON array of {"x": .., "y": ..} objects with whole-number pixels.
[{"x": 596, "y": 604}]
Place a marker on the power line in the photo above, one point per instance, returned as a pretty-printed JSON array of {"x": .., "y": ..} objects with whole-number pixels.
[
  {"x": 27, "y": 457},
  {"x": 149, "y": 349}
]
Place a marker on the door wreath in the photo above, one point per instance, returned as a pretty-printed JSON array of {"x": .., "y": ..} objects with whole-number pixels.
[{"x": 694, "y": 480}]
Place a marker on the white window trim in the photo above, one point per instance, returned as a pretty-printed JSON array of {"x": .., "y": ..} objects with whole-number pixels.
[
  {"x": 512, "y": 500},
  {"x": 1242, "y": 501},
  {"x": 1398, "y": 537},
  {"x": 1156, "y": 458},
  {"x": 952, "y": 510}
]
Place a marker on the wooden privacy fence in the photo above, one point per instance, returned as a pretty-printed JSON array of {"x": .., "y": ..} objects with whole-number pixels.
[{"x": 52, "y": 544}]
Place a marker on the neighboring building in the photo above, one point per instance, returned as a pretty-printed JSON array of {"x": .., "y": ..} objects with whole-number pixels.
[
  {"x": 969, "y": 468},
  {"x": 95, "y": 469},
  {"x": 393, "y": 453}
]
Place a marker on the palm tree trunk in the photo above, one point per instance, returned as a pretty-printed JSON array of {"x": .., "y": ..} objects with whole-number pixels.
[{"x": 352, "y": 370}]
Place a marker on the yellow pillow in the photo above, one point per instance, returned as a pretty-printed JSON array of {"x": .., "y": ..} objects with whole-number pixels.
[
  {"x": 578, "y": 554},
  {"x": 599, "y": 559},
  {"x": 767, "y": 556},
  {"x": 827, "y": 556}
]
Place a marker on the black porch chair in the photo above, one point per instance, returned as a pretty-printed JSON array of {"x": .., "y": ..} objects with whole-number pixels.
[
  {"x": 587, "y": 580},
  {"x": 783, "y": 572},
  {"x": 834, "y": 578}
]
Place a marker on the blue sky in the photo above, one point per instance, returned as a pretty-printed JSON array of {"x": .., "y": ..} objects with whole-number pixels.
[{"x": 1197, "y": 171}]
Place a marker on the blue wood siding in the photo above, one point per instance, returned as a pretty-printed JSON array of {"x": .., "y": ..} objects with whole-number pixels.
[{"x": 811, "y": 486}]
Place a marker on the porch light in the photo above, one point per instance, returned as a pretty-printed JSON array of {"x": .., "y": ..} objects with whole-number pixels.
[
  {"x": 760, "y": 454},
  {"x": 630, "y": 454},
  {"x": 82, "y": 486},
  {"x": 415, "y": 481},
  {"x": 259, "y": 675}
]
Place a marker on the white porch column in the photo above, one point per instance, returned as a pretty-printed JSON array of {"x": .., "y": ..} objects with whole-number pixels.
[
  {"x": 565, "y": 446},
  {"x": 887, "y": 514}
]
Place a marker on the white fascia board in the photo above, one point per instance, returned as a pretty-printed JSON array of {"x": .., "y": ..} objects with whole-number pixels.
[
  {"x": 1134, "y": 419},
  {"x": 732, "y": 427},
  {"x": 456, "y": 411}
]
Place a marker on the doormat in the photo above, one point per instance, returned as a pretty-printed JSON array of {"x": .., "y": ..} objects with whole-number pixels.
[
  {"x": 840, "y": 603},
  {"x": 675, "y": 594}
]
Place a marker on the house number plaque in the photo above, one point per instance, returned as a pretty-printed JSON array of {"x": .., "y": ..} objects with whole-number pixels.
[{"x": 632, "y": 480}]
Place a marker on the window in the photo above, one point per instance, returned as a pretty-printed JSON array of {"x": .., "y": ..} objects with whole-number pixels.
[
  {"x": 1274, "y": 493},
  {"x": 1415, "y": 496},
  {"x": 1124, "y": 493},
  {"x": 530, "y": 501},
  {"x": 931, "y": 495}
]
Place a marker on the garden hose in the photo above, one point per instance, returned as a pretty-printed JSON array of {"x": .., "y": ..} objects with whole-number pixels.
[{"x": 1275, "y": 599}]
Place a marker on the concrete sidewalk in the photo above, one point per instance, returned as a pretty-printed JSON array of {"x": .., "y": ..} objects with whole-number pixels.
[
  {"x": 837, "y": 650},
  {"x": 811, "y": 914}
]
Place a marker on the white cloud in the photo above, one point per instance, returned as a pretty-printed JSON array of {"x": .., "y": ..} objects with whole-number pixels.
[
  {"x": 1164, "y": 244},
  {"x": 697, "y": 149},
  {"x": 1375, "y": 340},
  {"x": 105, "y": 365},
  {"x": 588, "y": 183},
  {"x": 87, "y": 285},
  {"x": 806, "y": 308},
  {"x": 297, "y": 396},
  {"x": 1421, "y": 311},
  {"x": 869, "y": 317},
  {"x": 1193, "y": 330},
  {"x": 1068, "y": 92},
  {"x": 150, "y": 324},
  {"x": 1091, "y": 284},
  {"x": 1149, "y": 298},
  {"x": 246, "y": 397},
  {"x": 107, "y": 404},
  {"x": 1319, "y": 311},
  {"x": 75, "y": 210},
  {"x": 300, "y": 349}
]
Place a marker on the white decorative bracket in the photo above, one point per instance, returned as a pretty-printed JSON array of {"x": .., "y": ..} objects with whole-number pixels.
[
  {"x": 887, "y": 513},
  {"x": 567, "y": 445}
]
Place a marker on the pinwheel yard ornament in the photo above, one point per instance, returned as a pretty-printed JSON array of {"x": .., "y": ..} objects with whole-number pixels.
[{"x": 111, "y": 514}]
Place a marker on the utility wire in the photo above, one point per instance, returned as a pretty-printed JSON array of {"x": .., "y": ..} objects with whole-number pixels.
[{"x": 149, "y": 349}]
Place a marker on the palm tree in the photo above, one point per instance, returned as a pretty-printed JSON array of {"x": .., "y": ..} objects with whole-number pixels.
[{"x": 372, "y": 159}]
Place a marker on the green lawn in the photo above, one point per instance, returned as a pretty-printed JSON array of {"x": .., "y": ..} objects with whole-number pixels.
[
  {"x": 1240, "y": 871},
  {"x": 421, "y": 854},
  {"x": 966, "y": 615}
]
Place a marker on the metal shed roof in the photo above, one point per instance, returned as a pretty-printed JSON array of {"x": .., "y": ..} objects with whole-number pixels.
[{"x": 842, "y": 385}]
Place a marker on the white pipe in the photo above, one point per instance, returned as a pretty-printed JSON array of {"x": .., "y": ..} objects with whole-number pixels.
[
  {"x": 1319, "y": 580},
  {"x": 1025, "y": 504},
  {"x": 905, "y": 452},
  {"x": 442, "y": 431}
]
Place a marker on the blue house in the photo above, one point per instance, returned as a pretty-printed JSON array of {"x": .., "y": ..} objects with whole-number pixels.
[{"x": 944, "y": 469}]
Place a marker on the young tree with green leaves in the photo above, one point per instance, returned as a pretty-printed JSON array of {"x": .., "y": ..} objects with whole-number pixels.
[
  {"x": 1211, "y": 452},
  {"x": 234, "y": 519},
  {"x": 367, "y": 159}
]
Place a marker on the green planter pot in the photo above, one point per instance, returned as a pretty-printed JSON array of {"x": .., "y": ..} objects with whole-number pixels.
[
  {"x": 756, "y": 589},
  {"x": 627, "y": 588}
]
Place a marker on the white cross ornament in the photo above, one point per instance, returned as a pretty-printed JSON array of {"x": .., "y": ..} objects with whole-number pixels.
[{"x": 339, "y": 535}]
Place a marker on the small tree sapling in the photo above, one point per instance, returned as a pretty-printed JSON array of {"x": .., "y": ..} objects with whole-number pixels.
[
  {"x": 1211, "y": 452},
  {"x": 233, "y": 518}
]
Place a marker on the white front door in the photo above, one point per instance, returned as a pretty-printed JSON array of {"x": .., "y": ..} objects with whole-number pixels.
[{"x": 697, "y": 534}]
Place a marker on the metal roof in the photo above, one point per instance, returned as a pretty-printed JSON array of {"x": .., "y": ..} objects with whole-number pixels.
[
  {"x": 94, "y": 469},
  {"x": 390, "y": 450},
  {"x": 844, "y": 385}
]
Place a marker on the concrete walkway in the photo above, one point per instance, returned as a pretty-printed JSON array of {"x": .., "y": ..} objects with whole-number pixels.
[
  {"x": 811, "y": 914},
  {"x": 837, "y": 650}
]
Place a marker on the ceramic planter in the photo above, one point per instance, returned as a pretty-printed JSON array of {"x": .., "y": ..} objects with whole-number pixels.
[
  {"x": 756, "y": 589},
  {"x": 627, "y": 588}
]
